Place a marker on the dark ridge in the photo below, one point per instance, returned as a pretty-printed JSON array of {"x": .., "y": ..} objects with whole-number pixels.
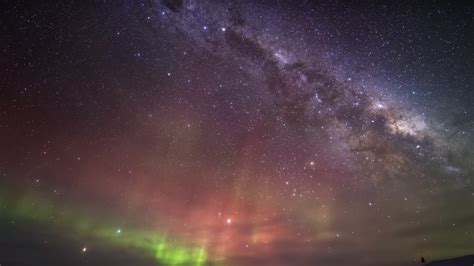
[{"x": 460, "y": 261}]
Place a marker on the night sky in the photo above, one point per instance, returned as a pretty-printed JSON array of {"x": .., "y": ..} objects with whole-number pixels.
[{"x": 199, "y": 132}]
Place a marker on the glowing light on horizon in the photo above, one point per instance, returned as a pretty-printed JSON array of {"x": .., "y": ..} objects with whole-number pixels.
[{"x": 39, "y": 210}]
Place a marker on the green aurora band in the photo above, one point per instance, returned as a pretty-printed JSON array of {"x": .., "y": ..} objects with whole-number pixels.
[{"x": 42, "y": 211}]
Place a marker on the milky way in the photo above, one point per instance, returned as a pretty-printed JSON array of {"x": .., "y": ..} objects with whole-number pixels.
[{"x": 235, "y": 133}]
